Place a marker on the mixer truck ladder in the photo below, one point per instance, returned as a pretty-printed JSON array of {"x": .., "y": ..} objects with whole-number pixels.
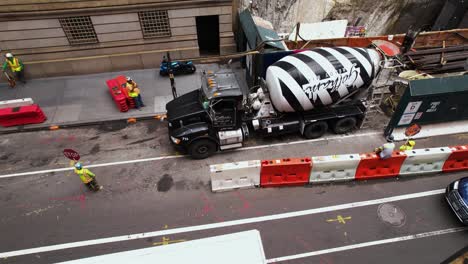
[
  {"x": 377, "y": 93},
  {"x": 373, "y": 108}
]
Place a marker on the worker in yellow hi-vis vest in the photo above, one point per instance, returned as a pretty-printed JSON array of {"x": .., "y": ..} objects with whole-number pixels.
[
  {"x": 134, "y": 93},
  {"x": 15, "y": 65},
  {"x": 87, "y": 177},
  {"x": 409, "y": 145}
]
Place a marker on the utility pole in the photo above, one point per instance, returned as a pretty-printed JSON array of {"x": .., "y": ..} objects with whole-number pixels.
[{"x": 171, "y": 75}]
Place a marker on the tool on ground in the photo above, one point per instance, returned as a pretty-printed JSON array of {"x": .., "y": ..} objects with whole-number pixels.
[{"x": 11, "y": 80}]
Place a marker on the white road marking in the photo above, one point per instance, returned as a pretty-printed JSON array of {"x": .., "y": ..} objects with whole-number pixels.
[
  {"x": 167, "y": 232},
  {"x": 90, "y": 166},
  {"x": 369, "y": 244},
  {"x": 180, "y": 156}
]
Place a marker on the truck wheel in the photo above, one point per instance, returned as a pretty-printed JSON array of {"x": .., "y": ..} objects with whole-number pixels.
[
  {"x": 344, "y": 125},
  {"x": 202, "y": 149},
  {"x": 315, "y": 130}
]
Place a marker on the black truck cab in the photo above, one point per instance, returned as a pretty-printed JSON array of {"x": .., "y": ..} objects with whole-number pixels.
[{"x": 208, "y": 119}]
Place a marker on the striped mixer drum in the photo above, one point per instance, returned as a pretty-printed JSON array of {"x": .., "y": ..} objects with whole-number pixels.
[{"x": 319, "y": 77}]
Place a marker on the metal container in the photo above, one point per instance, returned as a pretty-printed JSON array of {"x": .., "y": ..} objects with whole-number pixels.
[{"x": 432, "y": 101}]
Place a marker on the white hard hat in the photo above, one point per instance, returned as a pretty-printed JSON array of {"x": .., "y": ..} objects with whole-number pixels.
[
  {"x": 9, "y": 55},
  {"x": 129, "y": 79}
]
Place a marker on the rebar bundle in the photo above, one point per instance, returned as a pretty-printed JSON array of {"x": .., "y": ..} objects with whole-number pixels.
[{"x": 438, "y": 60}]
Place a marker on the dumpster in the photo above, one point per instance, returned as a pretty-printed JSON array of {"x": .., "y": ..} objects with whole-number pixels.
[{"x": 431, "y": 101}]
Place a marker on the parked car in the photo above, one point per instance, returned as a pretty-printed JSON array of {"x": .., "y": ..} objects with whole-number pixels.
[
  {"x": 177, "y": 67},
  {"x": 456, "y": 195}
]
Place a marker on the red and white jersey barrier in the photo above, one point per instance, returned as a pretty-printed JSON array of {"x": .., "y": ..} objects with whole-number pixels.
[{"x": 345, "y": 167}]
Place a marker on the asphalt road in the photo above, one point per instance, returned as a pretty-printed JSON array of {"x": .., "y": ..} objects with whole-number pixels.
[{"x": 165, "y": 194}]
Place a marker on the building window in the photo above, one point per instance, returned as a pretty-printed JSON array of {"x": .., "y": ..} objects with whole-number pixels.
[
  {"x": 79, "y": 30},
  {"x": 155, "y": 24}
]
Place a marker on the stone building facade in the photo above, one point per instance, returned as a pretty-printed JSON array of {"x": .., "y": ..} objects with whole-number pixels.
[{"x": 64, "y": 37}]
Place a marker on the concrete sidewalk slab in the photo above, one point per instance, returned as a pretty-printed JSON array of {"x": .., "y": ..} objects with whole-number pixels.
[
  {"x": 86, "y": 99},
  {"x": 432, "y": 130},
  {"x": 160, "y": 103}
]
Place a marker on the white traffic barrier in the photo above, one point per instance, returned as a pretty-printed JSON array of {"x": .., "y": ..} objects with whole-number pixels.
[
  {"x": 16, "y": 103},
  {"x": 334, "y": 168},
  {"x": 235, "y": 175},
  {"x": 420, "y": 161}
]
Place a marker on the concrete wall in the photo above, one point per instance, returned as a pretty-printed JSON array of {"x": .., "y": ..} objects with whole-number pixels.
[
  {"x": 379, "y": 17},
  {"x": 42, "y": 44}
]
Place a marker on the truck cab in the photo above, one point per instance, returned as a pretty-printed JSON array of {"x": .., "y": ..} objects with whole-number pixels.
[{"x": 209, "y": 119}]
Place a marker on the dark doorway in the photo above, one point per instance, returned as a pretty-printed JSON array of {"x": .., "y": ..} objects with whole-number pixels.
[{"x": 208, "y": 34}]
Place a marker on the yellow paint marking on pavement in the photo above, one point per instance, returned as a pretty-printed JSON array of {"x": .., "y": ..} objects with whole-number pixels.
[
  {"x": 340, "y": 219},
  {"x": 167, "y": 241}
]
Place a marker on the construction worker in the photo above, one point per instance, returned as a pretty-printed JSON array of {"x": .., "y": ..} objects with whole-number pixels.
[
  {"x": 15, "y": 65},
  {"x": 386, "y": 150},
  {"x": 134, "y": 93},
  {"x": 409, "y": 145},
  {"x": 87, "y": 177}
]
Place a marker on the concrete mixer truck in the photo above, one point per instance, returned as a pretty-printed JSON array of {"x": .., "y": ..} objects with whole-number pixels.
[{"x": 308, "y": 92}]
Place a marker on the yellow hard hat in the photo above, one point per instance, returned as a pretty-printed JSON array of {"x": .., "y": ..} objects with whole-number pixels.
[{"x": 411, "y": 143}]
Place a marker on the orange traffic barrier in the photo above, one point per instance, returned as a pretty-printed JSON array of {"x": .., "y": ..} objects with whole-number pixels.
[
  {"x": 285, "y": 172},
  {"x": 372, "y": 166},
  {"x": 458, "y": 160},
  {"x": 160, "y": 117}
]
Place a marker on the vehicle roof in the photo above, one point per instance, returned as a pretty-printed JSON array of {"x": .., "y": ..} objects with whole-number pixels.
[
  {"x": 242, "y": 247},
  {"x": 220, "y": 84}
]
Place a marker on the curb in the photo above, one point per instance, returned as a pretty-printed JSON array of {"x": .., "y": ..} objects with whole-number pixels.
[{"x": 57, "y": 126}]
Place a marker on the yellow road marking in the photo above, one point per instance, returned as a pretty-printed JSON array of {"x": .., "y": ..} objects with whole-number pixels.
[
  {"x": 167, "y": 241},
  {"x": 340, "y": 219}
]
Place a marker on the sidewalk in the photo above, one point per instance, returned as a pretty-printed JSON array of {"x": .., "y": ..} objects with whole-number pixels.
[{"x": 74, "y": 100}]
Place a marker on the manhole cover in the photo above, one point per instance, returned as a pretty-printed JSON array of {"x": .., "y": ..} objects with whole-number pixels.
[{"x": 391, "y": 214}]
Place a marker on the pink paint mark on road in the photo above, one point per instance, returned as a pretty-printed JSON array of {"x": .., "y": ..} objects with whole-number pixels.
[
  {"x": 49, "y": 140},
  {"x": 46, "y": 140},
  {"x": 208, "y": 208},
  {"x": 24, "y": 205},
  {"x": 247, "y": 206},
  {"x": 308, "y": 247},
  {"x": 78, "y": 198}
]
